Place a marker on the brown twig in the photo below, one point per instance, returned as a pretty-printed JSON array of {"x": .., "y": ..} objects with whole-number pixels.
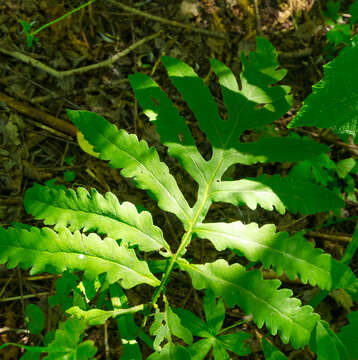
[
  {"x": 61, "y": 74},
  {"x": 13, "y": 298},
  {"x": 258, "y": 18},
  {"x": 330, "y": 237},
  {"x": 30, "y": 111},
  {"x": 295, "y": 54},
  {"x": 350, "y": 147},
  {"x": 129, "y": 9},
  {"x": 30, "y": 278}
]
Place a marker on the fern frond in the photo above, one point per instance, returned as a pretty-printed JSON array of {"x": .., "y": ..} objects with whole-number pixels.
[
  {"x": 45, "y": 250},
  {"x": 349, "y": 335},
  {"x": 276, "y": 191},
  {"x": 293, "y": 255},
  {"x": 80, "y": 209},
  {"x": 274, "y": 308},
  {"x": 123, "y": 150},
  {"x": 326, "y": 344}
]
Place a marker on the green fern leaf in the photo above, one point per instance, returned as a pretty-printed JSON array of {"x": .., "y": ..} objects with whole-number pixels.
[
  {"x": 66, "y": 344},
  {"x": 123, "y": 150},
  {"x": 349, "y": 336},
  {"x": 274, "y": 308},
  {"x": 93, "y": 212},
  {"x": 47, "y": 251},
  {"x": 270, "y": 352},
  {"x": 337, "y": 92},
  {"x": 211, "y": 331},
  {"x": 293, "y": 255},
  {"x": 279, "y": 192},
  {"x": 326, "y": 344}
]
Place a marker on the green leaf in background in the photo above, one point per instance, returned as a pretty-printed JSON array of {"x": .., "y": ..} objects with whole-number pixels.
[
  {"x": 326, "y": 344},
  {"x": 127, "y": 327},
  {"x": 340, "y": 33},
  {"x": 69, "y": 175},
  {"x": 166, "y": 325},
  {"x": 211, "y": 331},
  {"x": 349, "y": 335},
  {"x": 36, "y": 319},
  {"x": 314, "y": 169},
  {"x": 344, "y": 167},
  {"x": 353, "y": 10},
  {"x": 271, "y": 352},
  {"x": 274, "y": 308},
  {"x": 67, "y": 342},
  {"x": 64, "y": 287},
  {"x": 334, "y": 99},
  {"x": 69, "y": 160},
  {"x": 332, "y": 10}
]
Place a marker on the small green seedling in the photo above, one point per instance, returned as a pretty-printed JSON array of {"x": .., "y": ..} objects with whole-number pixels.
[{"x": 30, "y": 36}]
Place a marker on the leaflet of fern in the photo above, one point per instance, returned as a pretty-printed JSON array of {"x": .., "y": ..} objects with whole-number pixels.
[
  {"x": 46, "y": 250},
  {"x": 326, "y": 344},
  {"x": 247, "y": 289},
  {"x": 293, "y": 255},
  {"x": 93, "y": 212},
  {"x": 123, "y": 150},
  {"x": 349, "y": 335},
  {"x": 279, "y": 192}
]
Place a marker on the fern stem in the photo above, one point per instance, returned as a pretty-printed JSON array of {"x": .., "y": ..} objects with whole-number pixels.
[{"x": 184, "y": 242}]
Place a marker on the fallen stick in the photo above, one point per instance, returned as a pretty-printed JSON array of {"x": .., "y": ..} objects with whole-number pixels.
[
  {"x": 37, "y": 114},
  {"x": 61, "y": 74},
  {"x": 192, "y": 28}
]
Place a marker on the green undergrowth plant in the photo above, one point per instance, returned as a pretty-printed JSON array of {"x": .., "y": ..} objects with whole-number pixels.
[
  {"x": 31, "y": 35},
  {"x": 336, "y": 176},
  {"x": 340, "y": 31},
  {"x": 104, "y": 248}
]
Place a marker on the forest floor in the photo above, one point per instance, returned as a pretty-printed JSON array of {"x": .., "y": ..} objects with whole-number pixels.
[{"x": 37, "y": 144}]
